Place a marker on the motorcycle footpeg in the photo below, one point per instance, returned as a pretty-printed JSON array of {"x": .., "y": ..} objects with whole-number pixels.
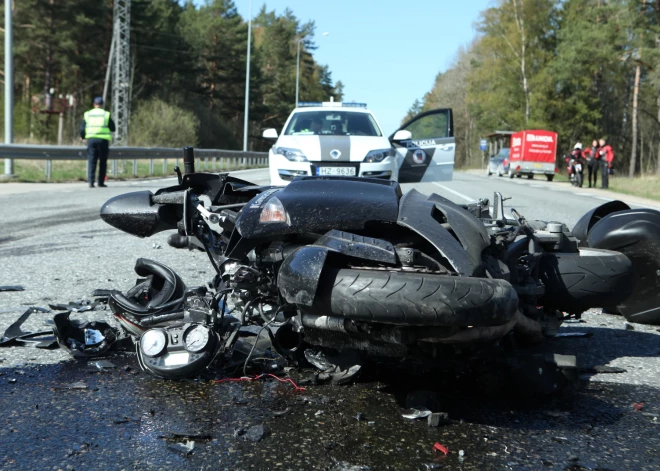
[{"x": 178, "y": 351}]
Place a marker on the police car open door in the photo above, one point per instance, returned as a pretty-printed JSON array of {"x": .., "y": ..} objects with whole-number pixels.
[{"x": 426, "y": 152}]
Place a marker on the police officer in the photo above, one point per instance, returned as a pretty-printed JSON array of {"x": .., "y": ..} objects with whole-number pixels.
[
  {"x": 97, "y": 127},
  {"x": 606, "y": 162}
]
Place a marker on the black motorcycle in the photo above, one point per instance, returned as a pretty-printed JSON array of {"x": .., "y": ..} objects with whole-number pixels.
[{"x": 350, "y": 263}]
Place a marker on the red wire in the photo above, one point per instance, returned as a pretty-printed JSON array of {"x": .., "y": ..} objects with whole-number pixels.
[{"x": 247, "y": 378}]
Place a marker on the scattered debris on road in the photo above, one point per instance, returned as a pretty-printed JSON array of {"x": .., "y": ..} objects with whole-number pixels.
[
  {"x": 183, "y": 448},
  {"x": 12, "y": 288},
  {"x": 441, "y": 448}
]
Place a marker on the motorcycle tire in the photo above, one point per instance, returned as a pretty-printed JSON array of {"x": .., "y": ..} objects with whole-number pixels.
[
  {"x": 419, "y": 299},
  {"x": 575, "y": 282}
]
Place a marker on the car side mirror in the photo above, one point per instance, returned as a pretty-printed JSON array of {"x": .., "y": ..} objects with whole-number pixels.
[
  {"x": 402, "y": 135},
  {"x": 270, "y": 133}
]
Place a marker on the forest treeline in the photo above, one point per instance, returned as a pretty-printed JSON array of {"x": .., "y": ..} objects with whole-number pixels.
[
  {"x": 188, "y": 66},
  {"x": 583, "y": 68}
]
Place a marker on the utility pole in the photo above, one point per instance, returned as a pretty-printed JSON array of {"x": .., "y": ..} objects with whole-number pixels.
[
  {"x": 247, "y": 82},
  {"x": 9, "y": 85},
  {"x": 121, "y": 76}
]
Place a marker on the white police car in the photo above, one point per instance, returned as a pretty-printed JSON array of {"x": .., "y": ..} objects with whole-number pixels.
[{"x": 345, "y": 139}]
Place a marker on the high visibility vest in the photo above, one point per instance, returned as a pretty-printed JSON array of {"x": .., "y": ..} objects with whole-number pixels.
[{"x": 96, "y": 124}]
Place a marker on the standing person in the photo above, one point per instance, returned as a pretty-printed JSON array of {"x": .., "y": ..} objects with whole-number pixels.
[
  {"x": 606, "y": 161},
  {"x": 593, "y": 161},
  {"x": 97, "y": 127}
]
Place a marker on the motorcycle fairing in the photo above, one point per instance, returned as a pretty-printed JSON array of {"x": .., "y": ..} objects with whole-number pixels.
[
  {"x": 416, "y": 213},
  {"x": 320, "y": 204},
  {"x": 635, "y": 233},
  {"x": 468, "y": 228},
  {"x": 586, "y": 222},
  {"x": 300, "y": 272},
  {"x": 135, "y": 214}
]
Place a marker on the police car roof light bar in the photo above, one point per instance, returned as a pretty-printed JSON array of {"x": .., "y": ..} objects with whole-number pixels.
[{"x": 333, "y": 104}]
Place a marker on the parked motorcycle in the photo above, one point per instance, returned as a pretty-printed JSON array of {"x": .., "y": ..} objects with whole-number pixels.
[
  {"x": 341, "y": 263},
  {"x": 575, "y": 169}
]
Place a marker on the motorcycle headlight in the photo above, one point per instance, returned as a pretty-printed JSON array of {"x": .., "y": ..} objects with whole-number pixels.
[
  {"x": 294, "y": 155},
  {"x": 378, "y": 155}
]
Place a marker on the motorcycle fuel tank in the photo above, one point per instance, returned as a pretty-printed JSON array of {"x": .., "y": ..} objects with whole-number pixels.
[{"x": 317, "y": 205}]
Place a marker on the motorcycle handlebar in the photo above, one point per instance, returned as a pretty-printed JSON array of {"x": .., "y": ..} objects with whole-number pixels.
[{"x": 168, "y": 198}]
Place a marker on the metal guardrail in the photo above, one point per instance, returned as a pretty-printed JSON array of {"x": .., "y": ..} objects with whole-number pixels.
[{"x": 218, "y": 159}]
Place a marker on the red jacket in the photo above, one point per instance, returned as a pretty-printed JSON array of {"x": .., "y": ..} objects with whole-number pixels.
[
  {"x": 607, "y": 152},
  {"x": 586, "y": 153}
]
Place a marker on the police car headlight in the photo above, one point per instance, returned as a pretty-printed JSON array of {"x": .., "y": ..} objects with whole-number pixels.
[
  {"x": 378, "y": 155},
  {"x": 294, "y": 155}
]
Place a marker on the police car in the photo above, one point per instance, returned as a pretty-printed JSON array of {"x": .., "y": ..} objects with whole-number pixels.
[{"x": 345, "y": 139}]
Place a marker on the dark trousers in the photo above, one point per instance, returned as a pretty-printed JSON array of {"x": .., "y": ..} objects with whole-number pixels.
[
  {"x": 97, "y": 151},
  {"x": 592, "y": 167},
  {"x": 604, "y": 173}
]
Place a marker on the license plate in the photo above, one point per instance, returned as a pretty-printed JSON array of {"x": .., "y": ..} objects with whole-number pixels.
[
  {"x": 336, "y": 171},
  {"x": 578, "y": 167},
  {"x": 538, "y": 165}
]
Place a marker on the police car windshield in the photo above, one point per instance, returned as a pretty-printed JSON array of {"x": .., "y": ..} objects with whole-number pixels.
[{"x": 332, "y": 123}]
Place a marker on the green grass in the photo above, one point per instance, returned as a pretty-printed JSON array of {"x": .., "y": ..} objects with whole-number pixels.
[
  {"x": 644, "y": 186},
  {"x": 34, "y": 171}
]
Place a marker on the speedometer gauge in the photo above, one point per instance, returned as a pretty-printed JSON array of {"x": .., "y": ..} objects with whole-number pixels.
[
  {"x": 152, "y": 342},
  {"x": 196, "y": 338}
]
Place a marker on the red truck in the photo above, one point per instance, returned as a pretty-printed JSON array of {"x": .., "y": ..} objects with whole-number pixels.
[{"x": 532, "y": 153}]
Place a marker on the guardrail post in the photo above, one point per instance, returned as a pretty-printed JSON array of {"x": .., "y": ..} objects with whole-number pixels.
[
  {"x": 135, "y": 167},
  {"x": 198, "y": 164},
  {"x": 164, "y": 166},
  {"x": 122, "y": 168},
  {"x": 114, "y": 168},
  {"x": 151, "y": 166},
  {"x": 213, "y": 163},
  {"x": 48, "y": 168},
  {"x": 206, "y": 163}
]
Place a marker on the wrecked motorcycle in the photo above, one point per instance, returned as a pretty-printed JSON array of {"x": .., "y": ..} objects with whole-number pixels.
[{"x": 340, "y": 263}]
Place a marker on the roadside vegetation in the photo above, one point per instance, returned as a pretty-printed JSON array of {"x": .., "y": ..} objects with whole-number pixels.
[
  {"x": 583, "y": 68},
  {"x": 188, "y": 63}
]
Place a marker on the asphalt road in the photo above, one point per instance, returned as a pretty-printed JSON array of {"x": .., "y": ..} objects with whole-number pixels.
[{"x": 53, "y": 243}]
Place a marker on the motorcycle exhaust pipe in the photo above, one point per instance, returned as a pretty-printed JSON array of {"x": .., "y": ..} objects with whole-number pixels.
[{"x": 288, "y": 339}]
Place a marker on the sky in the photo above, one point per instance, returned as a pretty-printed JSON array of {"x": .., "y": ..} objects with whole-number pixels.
[{"x": 387, "y": 53}]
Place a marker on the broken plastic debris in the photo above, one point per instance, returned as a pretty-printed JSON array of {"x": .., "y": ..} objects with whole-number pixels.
[
  {"x": 93, "y": 337},
  {"x": 441, "y": 448},
  {"x": 256, "y": 433},
  {"x": 184, "y": 448},
  {"x": 607, "y": 369},
  {"x": 438, "y": 418},
  {"x": 183, "y": 434},
  {"x": 155, "y": 245},
  {"x": 76, "y": 385},
  {"x": 318, "y": 412},
  {"x": 104, "y": 365},
  {"x": 638, "y": 405},
  {"x": 416, "y": 414},
  {"x": 279, "y": 413},
  {"x": 12, "y": 288},
  {"x": 431, "y": 466},
  {"x": 575, "y": 334}
]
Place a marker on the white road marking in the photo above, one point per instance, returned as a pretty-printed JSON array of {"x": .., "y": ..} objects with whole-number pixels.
[
  {"x": 603, "y": 198},
  {"x": 460, "y": 195}
]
